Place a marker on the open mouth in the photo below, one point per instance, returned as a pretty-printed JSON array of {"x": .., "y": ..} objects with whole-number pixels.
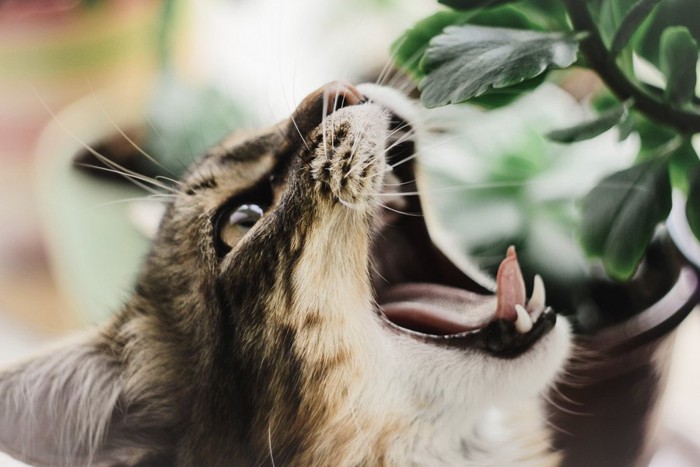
[{"x": 421, "y": 293}]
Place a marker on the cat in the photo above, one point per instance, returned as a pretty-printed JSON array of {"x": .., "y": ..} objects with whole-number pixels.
[{"x": 290, "y": 313}]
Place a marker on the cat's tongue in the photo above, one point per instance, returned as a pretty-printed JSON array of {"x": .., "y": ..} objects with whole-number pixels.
[{"x": 443, "y": 310}]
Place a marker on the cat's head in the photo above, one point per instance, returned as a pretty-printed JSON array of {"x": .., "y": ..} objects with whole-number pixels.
[{"x": 294, "y": 306}]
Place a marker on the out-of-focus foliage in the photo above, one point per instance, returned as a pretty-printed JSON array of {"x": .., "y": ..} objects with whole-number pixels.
[{"x": 645, "y": 52}]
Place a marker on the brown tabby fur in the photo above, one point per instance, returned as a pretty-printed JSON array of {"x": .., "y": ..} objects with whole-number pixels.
[{"x": 241, "y": 358}]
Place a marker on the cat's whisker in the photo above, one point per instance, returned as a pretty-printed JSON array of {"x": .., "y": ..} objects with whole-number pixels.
[
  {"x": 269, "y": 444},
  {"x": 408, "y": 182},
  {"x": 303, "y": 139},
  {"x": 391, "y": 167},
  {"x": 134, "y": 200},
  {"x": 128, "y": 138},
  {"x": 123, "y": 171},
  {"x": 412, "y": 214},
  {"x": 353, "y": 151},
  {"x": 409, "y": 85},
  {"x": 400, "y": 128},
  {"x": 406, "y": 137},
  {"x": 551, "y": 424},
  {"x": 424, "y": 151},
  {"x": 456, "y": 188},
  {"x": 335, "y": 106},
  {"x": 398, "y": 76},
  {"x": 348, "y": 204},
  {"x": 158, "y": 133},
  {"x": 360, "y": 165},
  {"x": 143, "y": 152},
  {"x": 386, "y": 69},
  {"x": 137, "y": 179},
  {"x": 376, "y": 271},
  {"x": 556, "y": 392},
  {"x": 324, "y": 125},
  {"x": 550, "y": 400}
]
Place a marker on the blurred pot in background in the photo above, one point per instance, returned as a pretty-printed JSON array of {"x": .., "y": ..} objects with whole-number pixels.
[{"x": 51, "y": 54}]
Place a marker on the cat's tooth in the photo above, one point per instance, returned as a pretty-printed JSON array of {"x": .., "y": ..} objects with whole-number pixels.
[
  {"x": 538, "y": 299},
  {"x": 523, "y": 324}
]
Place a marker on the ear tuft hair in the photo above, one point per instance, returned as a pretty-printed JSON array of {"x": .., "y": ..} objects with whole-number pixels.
[{"x": 63, "y": 408}]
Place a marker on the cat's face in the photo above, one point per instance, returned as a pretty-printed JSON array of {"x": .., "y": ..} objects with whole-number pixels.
[
  {"x": 294, "y": 307},
  {"x": 335, "y": 299}
]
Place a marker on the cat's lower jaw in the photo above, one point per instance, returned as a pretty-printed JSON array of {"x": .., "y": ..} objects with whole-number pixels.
[{"x": 413, "y": 407}]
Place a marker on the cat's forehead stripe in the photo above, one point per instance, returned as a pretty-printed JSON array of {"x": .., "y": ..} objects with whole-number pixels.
[
  {"x": 250, "y": 150},
  {"x": 244, "y": 154},
  {"x": 207, "y": 183}
]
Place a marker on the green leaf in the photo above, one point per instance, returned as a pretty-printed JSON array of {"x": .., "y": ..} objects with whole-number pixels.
[
  {"x": 621, "y": 213},
  {"x": 652, "y": 134},
  {"x": 465, "y": 5},
  {"x": 609, "y": 15},
  {"x": 682, "y": 163},
  {"x": 465, "y": 61},
  {"x": 668, "y": 13},
  {"x": 630, "y": 23},
  {"x": 409, "y": 48},
  {"x": 590, "y": 128},
  {"x": 507, "y": 16},
  {"x": 692, "y": 206},
  {"x": 626, "y": 127},
  {"x": 679, "y": 59},
  {"x": 495, "y": 98}
]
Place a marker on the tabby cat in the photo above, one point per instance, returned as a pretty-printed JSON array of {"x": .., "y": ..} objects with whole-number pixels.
[{"x": 289, "y": 313}]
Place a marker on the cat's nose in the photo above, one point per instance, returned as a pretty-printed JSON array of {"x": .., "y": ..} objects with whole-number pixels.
[{"x": 321, "y": 103}]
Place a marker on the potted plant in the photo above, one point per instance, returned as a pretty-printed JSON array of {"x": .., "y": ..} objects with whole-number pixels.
[{"x": 625, "y": 281}]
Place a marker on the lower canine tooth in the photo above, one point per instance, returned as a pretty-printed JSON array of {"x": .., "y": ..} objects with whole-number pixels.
[
  {"x": 523, "y": 324},
  {"x": 537, "y": 301}
]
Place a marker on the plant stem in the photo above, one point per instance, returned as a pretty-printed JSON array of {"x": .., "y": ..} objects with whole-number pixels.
[{"x": 603, "y": 62}]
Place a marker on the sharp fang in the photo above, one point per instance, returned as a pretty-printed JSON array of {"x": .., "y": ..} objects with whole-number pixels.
[
  {"x": 523, "y": 324},
  {"x": 538, "y": 299}
]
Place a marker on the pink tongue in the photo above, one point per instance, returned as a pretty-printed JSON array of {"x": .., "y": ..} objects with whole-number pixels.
[
  {"x": 444, "y": 310},
  {"x": 510, "y": 287}
]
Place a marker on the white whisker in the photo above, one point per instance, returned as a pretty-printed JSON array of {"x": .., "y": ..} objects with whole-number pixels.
[
  {"x": 105, "y": 160},
  {"x": 129, "y": 140},
  {"x": 412, "y": 214},
  {"x": 147, "y": 199},
  {"x": 269, "y": 444},
  {"x": 303, "y": 139},
  {"x": 133, "y": 177}
]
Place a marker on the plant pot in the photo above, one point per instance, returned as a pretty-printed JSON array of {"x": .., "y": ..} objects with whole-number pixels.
[{"x": 605, "y": 412}]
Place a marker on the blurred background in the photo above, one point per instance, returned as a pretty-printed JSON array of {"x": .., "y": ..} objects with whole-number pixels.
[{"x": 173, "y": 76}]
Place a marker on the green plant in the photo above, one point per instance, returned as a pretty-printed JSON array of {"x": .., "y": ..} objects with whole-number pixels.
[{"x": 490, "y": 52}]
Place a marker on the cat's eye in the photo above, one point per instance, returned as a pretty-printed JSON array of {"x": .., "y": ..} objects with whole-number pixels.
[{"x": 235, "y": 222}]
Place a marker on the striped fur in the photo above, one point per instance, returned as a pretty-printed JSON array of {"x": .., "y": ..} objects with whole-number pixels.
[{"x": 273, "y": 353}]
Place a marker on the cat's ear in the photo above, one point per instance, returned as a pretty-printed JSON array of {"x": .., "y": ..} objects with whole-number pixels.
[{"x": 67, "y": 407}]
